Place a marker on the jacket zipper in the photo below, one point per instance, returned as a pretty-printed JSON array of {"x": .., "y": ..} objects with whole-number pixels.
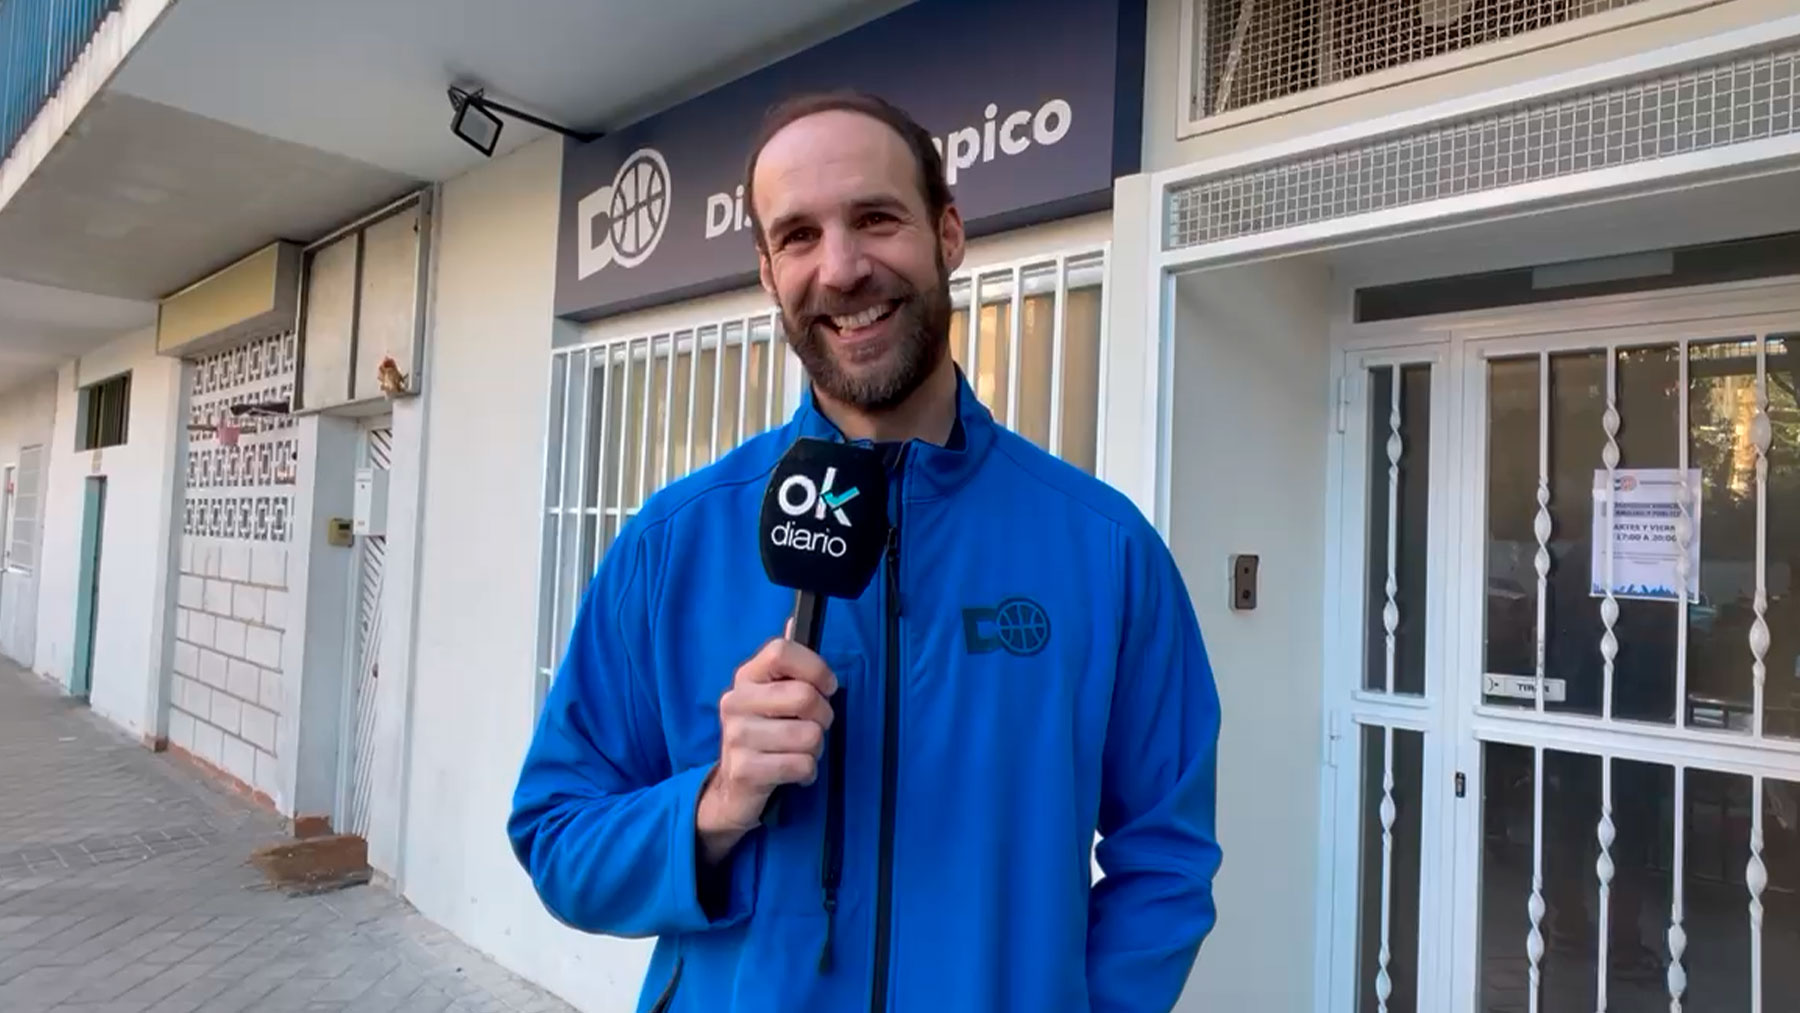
[
  {"x": 890, "y": 771},
  {"x": 831, "y": 873}
]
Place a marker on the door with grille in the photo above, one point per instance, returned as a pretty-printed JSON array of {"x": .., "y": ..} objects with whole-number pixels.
[
  {"x": 1629, "y": 659},
  {"x": 1568, "y": 739},
  {"x": 356, "y": 784}
]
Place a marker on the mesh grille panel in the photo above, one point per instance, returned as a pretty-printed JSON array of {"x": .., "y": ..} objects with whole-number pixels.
[
  {"x": 1257, "y": 50},
  {"x": 1748, "y": 99}
]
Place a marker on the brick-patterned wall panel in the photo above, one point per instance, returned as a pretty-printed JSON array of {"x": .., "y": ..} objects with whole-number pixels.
[
  {"x": 228, "y": 688},
  {"x": 244, "y": 491}
]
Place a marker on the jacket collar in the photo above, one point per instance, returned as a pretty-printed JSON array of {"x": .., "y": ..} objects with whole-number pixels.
[{"x": 934, "y": 470}]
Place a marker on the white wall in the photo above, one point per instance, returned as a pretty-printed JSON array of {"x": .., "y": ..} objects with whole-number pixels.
[
  {"x": 27, "y": 415},
  {"x": 228, "y": 685},
  {"x": 488, "y": 366},
  {"x": 134, "y": 595},
  {"x": 1250, "y": 397}
]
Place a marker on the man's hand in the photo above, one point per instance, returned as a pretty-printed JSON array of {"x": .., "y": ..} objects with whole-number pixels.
[{"x": 773, "y": 722}]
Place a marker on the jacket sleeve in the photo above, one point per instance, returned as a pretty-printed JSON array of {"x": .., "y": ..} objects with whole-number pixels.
[
  {"x": 1158, "y": 851},
  {"x": 601, "y": 823}
]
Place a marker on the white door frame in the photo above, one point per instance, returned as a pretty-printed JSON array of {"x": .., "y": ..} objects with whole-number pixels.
[
  {"x": 1455, "y": 345},
  {"x": 342, "y": 809},
  {"x": 9, "y": 477}
]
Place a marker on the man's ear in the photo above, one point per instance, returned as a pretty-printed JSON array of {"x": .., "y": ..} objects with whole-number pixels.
[
  {"x": 951, "y": 238},
  {"x": 766, "y": 272}
]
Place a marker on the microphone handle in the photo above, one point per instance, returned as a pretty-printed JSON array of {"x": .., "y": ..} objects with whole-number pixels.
[
  {"x": 809, "y": 627},
  {"x": 809, "y": 618}
]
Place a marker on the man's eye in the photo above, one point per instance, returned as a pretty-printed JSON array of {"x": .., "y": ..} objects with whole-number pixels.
[
  {"x": 877, "y": 218},
  {"x": 793, "y": 236}
]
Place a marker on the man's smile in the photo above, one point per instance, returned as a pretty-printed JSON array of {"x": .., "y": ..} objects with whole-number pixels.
[{"x": 858, "y": 325}]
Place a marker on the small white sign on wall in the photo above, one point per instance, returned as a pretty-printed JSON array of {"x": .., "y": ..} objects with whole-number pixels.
[{"x": 1645, "y": 537}]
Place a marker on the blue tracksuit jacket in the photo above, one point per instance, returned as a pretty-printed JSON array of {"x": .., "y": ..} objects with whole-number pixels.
[{"x": 1025, "y": 670}]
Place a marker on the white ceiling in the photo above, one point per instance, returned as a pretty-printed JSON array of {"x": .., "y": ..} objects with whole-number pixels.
[
  {"x": 367, "y": 80},
  {"x": 41, "y": 327},
  {"x": 239, "y": 122},
  {"x": 1716, "y": 211},
  {"x": 143, "y": 199}
]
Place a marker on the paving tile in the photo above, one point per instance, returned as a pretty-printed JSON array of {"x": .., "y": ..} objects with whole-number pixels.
[{"x": 124, "y": 888}]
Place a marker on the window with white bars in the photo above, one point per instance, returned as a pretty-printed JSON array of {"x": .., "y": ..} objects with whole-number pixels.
[
  {"x": 28, "y": 494},
  {"x": 630, "y": 415},
  {"x": 1246, "y": 52},
  {"x": 1750, "y": 96}
]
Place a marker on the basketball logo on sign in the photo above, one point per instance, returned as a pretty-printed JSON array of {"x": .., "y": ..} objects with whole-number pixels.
[{"x": 622, "y": 222}]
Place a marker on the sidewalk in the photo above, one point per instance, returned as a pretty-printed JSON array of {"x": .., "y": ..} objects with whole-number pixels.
[{"x": 124, "y": 889}]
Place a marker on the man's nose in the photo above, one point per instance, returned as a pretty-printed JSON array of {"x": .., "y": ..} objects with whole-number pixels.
[{"x": 844, "y": 265}]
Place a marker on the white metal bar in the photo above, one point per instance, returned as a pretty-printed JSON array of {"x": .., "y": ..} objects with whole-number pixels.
[
  {"x": 743, "y": 380},
  {"x": 618, "y": 447},
  {"x": 1760, "y": 436},
  {"x": 665, "y": 451},
  {"x": 718, "y": 385},
  {"x": 975, "y": 330},
  {"x": 1012, "y": 349},
  {"x": 1383, "y": 983},
  {"x": 1609, "y": 606},
  {"x": 1677, "y": 974},
  {"x": 644, "y": 422},
  {"x": 693, "y": 360},
  {"x": 605, "y": 373},
  {"x": 1390, "y": 612},
  {"x": 1162, "y": 360},
  {"x": 556, "y": 432},
  {"x": 1058, "y": 308},
  {"x": 771, "y": 404},
  {"x": 1534, "y": 942},
  {"x": 1541, "y": 525},
  {"x": 557, "y": 604},
  {"x": 1684, "y": 539},
  {"x": 552, "y": 517},
  {"x": 1603, "y": 868},
  {"x": 574, "y": 512},
  {"x": 574, "y": 467},
  {"x": 1756, "y": 877}
]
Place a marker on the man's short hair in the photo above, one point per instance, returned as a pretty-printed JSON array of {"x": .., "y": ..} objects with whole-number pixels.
[{"x": 929, "y": 162}]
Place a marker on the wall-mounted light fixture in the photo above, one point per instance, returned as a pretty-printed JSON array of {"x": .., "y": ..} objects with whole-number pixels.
[{"x": 474, "y": 120}]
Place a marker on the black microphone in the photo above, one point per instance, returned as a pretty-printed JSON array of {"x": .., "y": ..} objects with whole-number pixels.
[{"x": 823, "y": 528}]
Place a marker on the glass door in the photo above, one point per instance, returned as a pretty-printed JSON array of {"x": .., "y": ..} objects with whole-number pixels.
[
  {"x": 1389, "y": 742},
  {"x": 1628, "y": 657}
]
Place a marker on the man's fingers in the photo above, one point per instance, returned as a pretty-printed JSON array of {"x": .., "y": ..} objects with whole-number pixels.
[
  {"x": 789, "y": 698},
  {"x": 773, "y": 769},
  {"x": 778, "y": 735},
  {"x": 785, "y": 659}
]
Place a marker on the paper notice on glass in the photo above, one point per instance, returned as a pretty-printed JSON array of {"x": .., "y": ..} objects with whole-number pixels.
[{"x": 1646, "y": 537}]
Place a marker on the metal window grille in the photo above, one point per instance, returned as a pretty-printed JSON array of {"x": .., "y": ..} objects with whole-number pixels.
[
  {"x": 630, "y": 415},
  {"x": 1033, "y": 351},
  {"x": 1746, "y": 98},
  {"x": 28, "y": 494},
  {"x": 105, "y": 413},
  {"x": 1257, "y": 50},
  {"x": 626, "y": 418}
]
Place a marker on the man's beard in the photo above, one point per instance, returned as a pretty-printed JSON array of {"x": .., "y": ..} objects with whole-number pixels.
[{"x": 922, "y": 326}]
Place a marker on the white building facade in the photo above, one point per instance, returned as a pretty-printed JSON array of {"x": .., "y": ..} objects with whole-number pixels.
[{"x": 1449, "y": 343}]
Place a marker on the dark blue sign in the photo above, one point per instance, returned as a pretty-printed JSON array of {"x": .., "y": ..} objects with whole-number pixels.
[{"x": 1037, "y": 106}]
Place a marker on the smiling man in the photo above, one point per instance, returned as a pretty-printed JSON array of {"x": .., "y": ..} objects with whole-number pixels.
[{"x": 1026, "y": 672}]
